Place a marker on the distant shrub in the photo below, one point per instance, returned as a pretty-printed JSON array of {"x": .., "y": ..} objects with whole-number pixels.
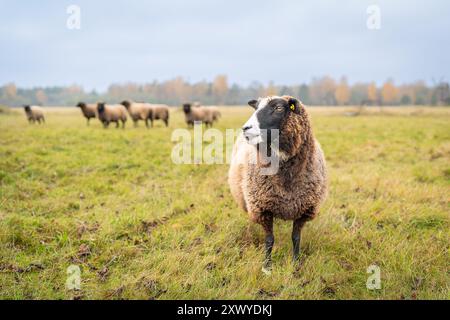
[{"x": 4, "y": 110}]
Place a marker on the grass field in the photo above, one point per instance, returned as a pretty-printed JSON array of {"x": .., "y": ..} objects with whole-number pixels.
[{"x": 140, "y": 227}]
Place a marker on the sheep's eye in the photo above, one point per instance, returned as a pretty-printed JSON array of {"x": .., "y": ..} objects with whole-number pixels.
[{"x": 279, "y": 108}]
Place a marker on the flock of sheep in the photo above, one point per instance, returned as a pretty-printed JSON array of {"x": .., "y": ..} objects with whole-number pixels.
[
  {"x": 294, "y": 192},
  {"x": 108, "y": 113}
]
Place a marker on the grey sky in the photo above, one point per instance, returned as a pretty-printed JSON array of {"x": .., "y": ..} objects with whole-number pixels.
[{"x": 284, "y": 41}]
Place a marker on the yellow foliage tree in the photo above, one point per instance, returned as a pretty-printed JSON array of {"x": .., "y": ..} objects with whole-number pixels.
[
  {"x": 220, "y": 86},
  {"x": 372, "y": 92},
  {"x": 271, "y": 89},
  {"x": 342, "y": 93},
  {"x": 389, "y": 92}
]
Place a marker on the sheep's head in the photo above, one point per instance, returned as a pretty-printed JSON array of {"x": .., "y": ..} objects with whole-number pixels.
[
  {"x": 285, "y": 114},
  {"x": 27, "y": 108},
  {"x": 81, "y": 105},
  {"x": 101, "y": 107},
  {"x": 126, "y": 104},
  {"x": 187, "y": 107}
]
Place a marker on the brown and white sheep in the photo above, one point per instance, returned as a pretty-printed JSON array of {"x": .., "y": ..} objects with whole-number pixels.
[
  {"x": 89, "y": 110},
  {"x": 298, "y": 188},
  {"x": 215, "y": 113},
  {"x": 194, "y": 114},
  {"x": 34, "y": 113},
  {"x": 160, "y": 112},
  {"x": 111, "y": 113},
  {"x": 138, "y": 111}
]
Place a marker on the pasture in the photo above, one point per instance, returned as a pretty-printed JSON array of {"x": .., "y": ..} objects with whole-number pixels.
[{"x": 140, "y": 227}]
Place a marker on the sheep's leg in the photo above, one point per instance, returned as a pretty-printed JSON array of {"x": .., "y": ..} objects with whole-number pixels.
[
  {"x": 135, "y": 123},
  {"x": 166, "y": 121},
  {"x": 267, "y": 223},
  {"x": 117, "y": 124},
  {"x": 296, "y": 237},
  {"x": 88, "y": 121}
]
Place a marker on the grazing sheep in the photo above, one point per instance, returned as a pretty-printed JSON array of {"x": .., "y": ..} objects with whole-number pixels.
[
  {"x": 296, "y": 191},
  {"x": 111, "y": 113},
  {"x": 193, "y": 114},
  {"x": 138, "y": 111},
  {"x": 89, "y": 110},
  {"x": 34, "y": 113},
  {"x": 215, "y": 113},
  {"x": 160, "y": 112}
]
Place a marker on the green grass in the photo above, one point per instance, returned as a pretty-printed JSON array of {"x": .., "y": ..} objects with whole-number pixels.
[{"x": 140, "y": 227}]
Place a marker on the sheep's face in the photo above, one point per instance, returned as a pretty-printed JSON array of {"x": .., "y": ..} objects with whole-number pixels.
[
  {"x": 101, "y": 107},
  {"x": 271, "y": 114},
  {"x": 126, "y": 104},
  {"x": 27, "y": 109},
  {"x": 81, "y": 105},
  {"x": 187, "y": 107}
]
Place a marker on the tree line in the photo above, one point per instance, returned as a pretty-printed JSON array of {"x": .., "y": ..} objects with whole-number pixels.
[{"x": 320, "y": 91}]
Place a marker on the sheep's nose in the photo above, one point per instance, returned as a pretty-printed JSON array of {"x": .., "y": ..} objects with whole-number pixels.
[{"x": 246, "y": 128}]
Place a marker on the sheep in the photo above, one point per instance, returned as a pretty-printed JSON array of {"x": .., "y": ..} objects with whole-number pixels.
[
  {"x": 193, "y": 114},
  {"x": 111, "y": 113},
  {"x": 215, "y": 113},
  {"x": 138, "y": 111},
  {"x": 298, "y": 188},
  {"x": 34, "y": 113},
  {"x": 160, "y": 112},
  {"x": 89, "y": 110}
]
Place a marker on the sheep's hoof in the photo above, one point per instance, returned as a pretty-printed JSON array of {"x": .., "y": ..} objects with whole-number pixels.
[{"x": 266, "y": 270}]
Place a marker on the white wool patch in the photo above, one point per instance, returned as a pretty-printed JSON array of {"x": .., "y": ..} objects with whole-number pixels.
[
  {"x": 253, "y": 133},
  {"x": 252, "y": 130}
]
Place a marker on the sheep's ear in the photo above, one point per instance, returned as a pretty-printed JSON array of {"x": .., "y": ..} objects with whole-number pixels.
[
  {"x": 295, "y": 105},
  {"x": 253, "y": 103}
]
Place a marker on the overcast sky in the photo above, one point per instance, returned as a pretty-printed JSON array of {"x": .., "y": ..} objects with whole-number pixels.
[{"x": 284, "y": 41}]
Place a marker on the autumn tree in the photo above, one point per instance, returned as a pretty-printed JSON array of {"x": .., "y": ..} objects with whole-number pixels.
[
  {"x": 220, "y": 87},
  {"x": 41, "y": 97},
  {"x": 271, "y": 90},
  {"x": 322, "y": 91},
  {"x": 10, "y": 91},
  {"x": 372, "y": 92},
  {"x": 389, "y": 92},
  {"x": 342, "y": 93}
]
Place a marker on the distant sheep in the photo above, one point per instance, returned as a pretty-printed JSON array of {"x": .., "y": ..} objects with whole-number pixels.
[
  {"x": 89, "y": 110},
  {"x": 215, "y": 113},
  {"x": 111, "y": 113},
  {"x": 296, "y": 191},
  {"x": 34, "y": 113},
  {"x": 138, "y": 111},
  {"x": 193, "y": 114},
  {"x": 160, "y": 112}
]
